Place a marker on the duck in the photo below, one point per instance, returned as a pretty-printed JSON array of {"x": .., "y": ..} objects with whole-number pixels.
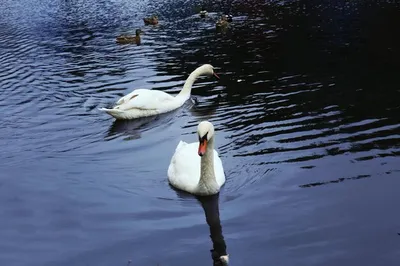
[
  {"x": 229, "y": 17},
  {"x": 222, "y": 23},
  {"x": 147, "y": 102},
  {"x": 125, "y": 39},
  {"x": 153, "y": 20},
  {"x": 196, "y": 167},
  {"x": 203, "y": 13}
]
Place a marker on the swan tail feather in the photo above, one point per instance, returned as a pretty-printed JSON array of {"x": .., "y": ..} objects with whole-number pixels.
[{"x": 118, "y": 114}]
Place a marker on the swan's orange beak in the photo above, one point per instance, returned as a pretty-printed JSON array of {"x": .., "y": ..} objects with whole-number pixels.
[
  {"x": 202, "y": 147},
  {"x": 215, "y": 74}
]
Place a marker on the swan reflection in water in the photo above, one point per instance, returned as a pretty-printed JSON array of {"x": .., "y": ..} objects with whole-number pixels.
[
  {"x": 210, "y": 206},
  {"x": 131, "y": 128},
  {"x": 134, "y": 128}
]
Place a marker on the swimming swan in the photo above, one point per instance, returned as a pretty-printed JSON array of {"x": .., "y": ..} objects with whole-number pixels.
[
  {"x": 145, "y": 102},
  {"x": 196, "y": 167}
]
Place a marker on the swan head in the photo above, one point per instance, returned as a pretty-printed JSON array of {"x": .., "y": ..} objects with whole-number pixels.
[
  {"x": 208, "y": 69},
  {"x": 205, "y": 131}
]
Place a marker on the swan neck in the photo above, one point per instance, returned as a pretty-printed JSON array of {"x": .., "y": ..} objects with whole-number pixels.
[
  {"x": 187, "y": 87},
  {"x": 208, "y": 183}
]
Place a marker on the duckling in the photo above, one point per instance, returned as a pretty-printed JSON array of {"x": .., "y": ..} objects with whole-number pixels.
[
  {"x": 153, "y": 20},
  {"x": 222, "y": 23},
  {"x": 203, "y": 12},
  {"x": 125, "y": 39}
]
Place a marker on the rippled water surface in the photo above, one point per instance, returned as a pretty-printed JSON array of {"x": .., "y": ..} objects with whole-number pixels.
[{"x": 307, "y": 125}]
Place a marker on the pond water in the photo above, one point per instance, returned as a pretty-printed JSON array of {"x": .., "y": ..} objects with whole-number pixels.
[{"x": 307, "y": 124}]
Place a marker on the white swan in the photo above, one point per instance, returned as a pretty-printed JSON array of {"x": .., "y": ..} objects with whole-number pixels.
[
  {"x": 196, "y": 167},
  {"x": 145, "y": 102}
]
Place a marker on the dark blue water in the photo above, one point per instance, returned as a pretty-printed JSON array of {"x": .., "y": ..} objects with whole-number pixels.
[{"x": 307, "y": 119}]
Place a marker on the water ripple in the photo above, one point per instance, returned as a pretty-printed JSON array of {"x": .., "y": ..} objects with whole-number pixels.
[{"x": 306, "y": 98}]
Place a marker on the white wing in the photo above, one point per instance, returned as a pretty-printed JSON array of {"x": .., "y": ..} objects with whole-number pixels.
[
  {"x": 184, "y": 169},
  {"x": 144, "y": 99}
]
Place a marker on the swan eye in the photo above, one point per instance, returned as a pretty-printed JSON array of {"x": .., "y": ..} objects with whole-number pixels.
[{"x": 201, "y": 139}]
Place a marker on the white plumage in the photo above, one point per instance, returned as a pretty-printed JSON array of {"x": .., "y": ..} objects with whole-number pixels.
[
  {"x": 194, "y": 174},
  {"x": 145, "y": 102}
]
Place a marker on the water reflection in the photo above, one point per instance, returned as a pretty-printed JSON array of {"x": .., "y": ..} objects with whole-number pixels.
[
  {"x": 282, "y": 105},
  {"x": 210, "y": 206},
  {"x": 308, "y": 96},
  {"x": 205, "y": 108},
  {"x": 133, "y": 129}
]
